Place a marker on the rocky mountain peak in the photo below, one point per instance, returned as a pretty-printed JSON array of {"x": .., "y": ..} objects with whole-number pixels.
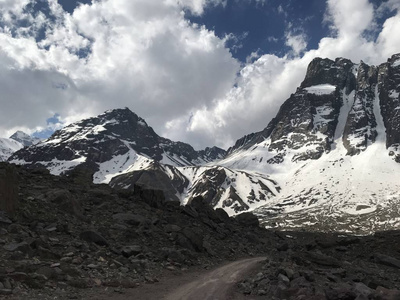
[
  {"x": 24, "y": 139},
  {"x": 326, "y": 71},
  {"x": 110, "y": 143}
]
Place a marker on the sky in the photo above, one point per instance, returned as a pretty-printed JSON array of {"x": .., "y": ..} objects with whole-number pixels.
[{"x": 205, "y": 72}]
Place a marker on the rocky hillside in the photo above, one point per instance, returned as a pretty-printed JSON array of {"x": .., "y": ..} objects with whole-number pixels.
[
  {"x": 63, "y": 234},
  {"x": 67, "y": 238},
  {"x": 233, "y": 190}
]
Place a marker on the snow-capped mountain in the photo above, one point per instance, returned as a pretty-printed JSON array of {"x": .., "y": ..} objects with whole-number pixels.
[
  {"x": 24, "y": 139},
  {"x": 112, "y": 143},
  {"x": 333, "y": 148},
  {"x": 8, "y": 147},
  {"x": 235, "y": 191},
  {"x": 329, "y": 160}
]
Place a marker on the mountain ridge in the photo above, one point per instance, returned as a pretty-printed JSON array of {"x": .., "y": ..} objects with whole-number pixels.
[{"x": 329, "y": 152}]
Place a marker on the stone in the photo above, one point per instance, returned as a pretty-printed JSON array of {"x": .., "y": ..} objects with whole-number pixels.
[
  {"x": 172, "y": 228},
  {"x": 222, "y": 215},
  {"x": 23, "y": 247},
  {"x": 6, "y": 291},
  {"x": 283, "y": 278},
  {"x": 65, "y": 201},
  {"x": 386, "y": 294},
  {"x": 93, "y": 237},
  {"x": 387, "y": 260},
  {"x": 247, "y": 219},
  {"x": 195, "y": 238},
  {"x": 47, "y": 254},
  {"x": 129, "y": 218},
  {"x": 128, "y": 251},
  {"x": 323, "y": 260},
  {"x": 361, "y": 289},
  {"x": 4, "y": 218}
]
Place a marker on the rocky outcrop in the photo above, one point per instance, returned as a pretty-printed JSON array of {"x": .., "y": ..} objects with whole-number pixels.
[{"x": 309, "y": 119}]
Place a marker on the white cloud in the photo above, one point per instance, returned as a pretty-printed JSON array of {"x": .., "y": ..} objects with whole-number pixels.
[
  {"x": 297, "y": 42},
  {"x": 144, "y": 55}
]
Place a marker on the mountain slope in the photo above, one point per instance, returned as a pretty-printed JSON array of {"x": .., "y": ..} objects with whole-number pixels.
[
  {"x": 24, "y": 138},
  {"x": 112, "y": 143},
  {"x": 333, "y": 148},
  {"x": 8, "y": 147},
  {"x": 235, "y": 191}
]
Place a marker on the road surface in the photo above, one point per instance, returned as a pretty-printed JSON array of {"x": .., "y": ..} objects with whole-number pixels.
[{"x": 217, "y": 284}]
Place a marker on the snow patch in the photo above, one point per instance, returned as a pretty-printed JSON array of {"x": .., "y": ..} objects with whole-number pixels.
[
  {"x": 396, "y": 63},
  {"x": 321, "y": 89}
]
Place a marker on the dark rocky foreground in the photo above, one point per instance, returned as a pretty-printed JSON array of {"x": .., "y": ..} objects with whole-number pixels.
[{"x": 66, "y": 238}]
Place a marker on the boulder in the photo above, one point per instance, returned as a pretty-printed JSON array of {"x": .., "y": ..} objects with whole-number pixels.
[
  {"x": 195, "y": 238},
  {"x": 128, "y": 251},
  {"x": 247, "y": 219},
  {"x": 93, "y": 237},
  {"x": 387, "y": 260}
]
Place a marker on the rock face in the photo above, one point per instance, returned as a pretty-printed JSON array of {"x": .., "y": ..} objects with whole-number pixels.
[
  {"x": 110, "y": 143},
  {"x": 331, "y": 148},
  {"x": 310, "y": 117}
]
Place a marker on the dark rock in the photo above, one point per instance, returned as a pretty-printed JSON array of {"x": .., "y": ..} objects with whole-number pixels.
[
  {"x": 172, "y": 228},
  {"x": 283, "y": 247},
  {"x": 47, "y": 254},
  {"x": 4, "y": 218},
  {"x": 323, "y": 260},
  {"x": 386, "y": 294},
  {"x": 341, "y": 292},
  {"x": 23, "y": 247},
  {"x": 173, "y": 255},
  {"x": 387, "y": 260},
  {"x": 5, "y": 291},
  {"x": 8, "y": 188},
  {"x": 65, "y": 201},
  {"x": 247, "y": 219},
  {"x": 190, "y": 211},
  {"x": 128, "y": 251},
  {"x": 195, "y": 238},
  {"x": 129, "y": 218},
  {"x": 222, "y": 215},
  {"x": 93, "y": 237}
]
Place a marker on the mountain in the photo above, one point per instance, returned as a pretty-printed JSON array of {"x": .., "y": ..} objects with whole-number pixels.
[
  {"x": 234, "y": 191},
  {"x": 8, "y": 147},
  {"x": 114, "y": 142},
  {"x": 120, "y": 147},
  {"x": 24, "y": 138},
  {"x": 333, "y": 148},
  {"x": 329, "y": 160}
]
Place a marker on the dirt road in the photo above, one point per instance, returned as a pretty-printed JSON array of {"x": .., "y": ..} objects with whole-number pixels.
[{"x": 216, "y": 284}]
